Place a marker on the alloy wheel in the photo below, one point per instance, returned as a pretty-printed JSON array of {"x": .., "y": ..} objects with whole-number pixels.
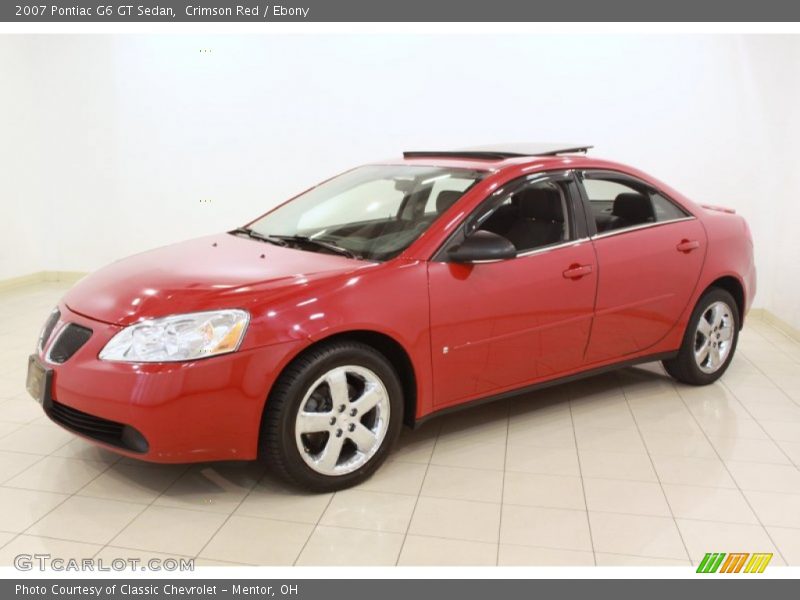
[
  {"x": 713, "y": 337},
  {"x": 342, "y": 420}
]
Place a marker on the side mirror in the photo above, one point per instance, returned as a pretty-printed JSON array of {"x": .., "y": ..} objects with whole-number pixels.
[{"x": 482, "y": 245}]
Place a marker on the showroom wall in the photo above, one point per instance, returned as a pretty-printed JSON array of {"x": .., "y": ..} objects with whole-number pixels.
[
  {"x": 22, "y": 247},
  {"x": 774, "y": 71},
  {"x": 116, "y": 144}
]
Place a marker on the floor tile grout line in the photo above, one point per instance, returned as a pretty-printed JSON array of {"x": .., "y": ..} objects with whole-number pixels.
[
  {"x": 401, "y": 533},
  {"x": 623, "y": 453},
  {"x": 645, "y": 556},
  {"x": 18, "y": 427},
  {"x": 700, "y": 432},
  {"x": 80, "y": 493},
  {"x": 227, "y": 517},
  {"x": 446, "y": 466},
  {"x": 583, "y": 483},
  {"x": 741, "y": 491},
  {"x": 609, "y": 553},
  {"x": 145, "y": 507},
  {"x": 503, "y": 483},
  {"x": 104, "y": 546},
  {"x": 4, "y": 486},
  {"x": 775, "y": 383},
  {"x": 658, "y": 478},
  {"x": 761, "y": 371},
  {"x": 217, "y": 512},
  {"x": 764, "y": 429},
  {"x": 377, "y": 530},
  {"x": 419, "y": 494},
  {"x": 791, "y": 361},
  {"x": 774, "y": 328},
  {"x": 313, "y": 529},
  {"x": 436, "y": 537},
  {"x": 68, "y": 496},
  {"x": 14, "y": 476}
]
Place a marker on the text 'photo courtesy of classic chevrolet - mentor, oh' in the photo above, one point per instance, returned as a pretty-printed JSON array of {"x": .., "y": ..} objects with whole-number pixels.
[{"x": 389, "y": 294}]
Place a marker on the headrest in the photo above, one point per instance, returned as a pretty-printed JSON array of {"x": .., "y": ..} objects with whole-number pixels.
[
  {"x": 633, "y": 207},
  {"x": 446, "y": 199},
  {"x": 541, "y": 203}
]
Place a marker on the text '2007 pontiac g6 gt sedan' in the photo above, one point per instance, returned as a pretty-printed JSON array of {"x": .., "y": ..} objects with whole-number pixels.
[{"x": 388, "y": 294}]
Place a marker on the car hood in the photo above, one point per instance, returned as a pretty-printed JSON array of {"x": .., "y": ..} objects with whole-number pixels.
[{"x": 220, "y": 271}]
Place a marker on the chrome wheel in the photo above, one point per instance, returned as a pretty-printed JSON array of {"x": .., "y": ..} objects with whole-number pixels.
[
  {"x": 713, "y": 337},
  {"x": 342, "y": 421}
]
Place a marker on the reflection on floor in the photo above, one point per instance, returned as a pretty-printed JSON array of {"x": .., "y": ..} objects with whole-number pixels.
[{"x": 627, "y": 468}]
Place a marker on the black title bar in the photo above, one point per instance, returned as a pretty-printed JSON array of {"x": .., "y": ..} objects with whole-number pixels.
[
  {"x": 255, "y": 11},
  {"x": 698, "y": 588}
]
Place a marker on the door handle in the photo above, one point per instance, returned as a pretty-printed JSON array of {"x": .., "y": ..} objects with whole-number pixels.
[
  {"x": 687, "y": 246},
  {"x": 577, "y": 271}
]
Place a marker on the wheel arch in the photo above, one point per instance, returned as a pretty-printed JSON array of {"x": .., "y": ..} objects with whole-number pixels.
[
  {"x": 389, "y": 347},
  {"x": 734, "y": 287}
]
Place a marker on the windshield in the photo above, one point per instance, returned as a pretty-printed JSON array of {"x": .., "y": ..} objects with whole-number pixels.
[{"x": 372, "y": 212}]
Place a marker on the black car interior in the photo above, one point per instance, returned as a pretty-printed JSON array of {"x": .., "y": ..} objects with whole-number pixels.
[
  {"x": 531, "y": 218},
  {"x": 626, "y": 210}
]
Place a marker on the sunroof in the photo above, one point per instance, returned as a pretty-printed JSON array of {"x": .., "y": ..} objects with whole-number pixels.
[{"x": 500, "y": 151}]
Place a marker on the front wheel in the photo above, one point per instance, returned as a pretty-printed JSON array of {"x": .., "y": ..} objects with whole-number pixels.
[
  {"x": 332, "y": 416},
  {"x": 709, "y": 342}
]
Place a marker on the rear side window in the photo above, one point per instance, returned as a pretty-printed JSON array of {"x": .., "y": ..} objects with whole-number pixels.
[
  {"x": 621, "y": 203},
  {"x": 665, "y": 209}
]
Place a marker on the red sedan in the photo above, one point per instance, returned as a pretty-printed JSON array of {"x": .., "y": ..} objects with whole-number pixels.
[{"x": 389, "y": 294}]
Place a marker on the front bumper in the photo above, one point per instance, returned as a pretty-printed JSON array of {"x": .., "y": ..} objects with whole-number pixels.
[{"x": 203, "y": 410}]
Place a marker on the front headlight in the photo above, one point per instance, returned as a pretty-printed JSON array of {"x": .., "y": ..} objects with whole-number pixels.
[{"x": 179, "y": 337}]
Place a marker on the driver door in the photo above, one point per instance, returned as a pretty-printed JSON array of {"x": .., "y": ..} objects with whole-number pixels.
[{"x": 500, "y": 325}]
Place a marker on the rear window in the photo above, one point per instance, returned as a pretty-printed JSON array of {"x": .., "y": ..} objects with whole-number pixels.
[{"x": 622, "y": 203}]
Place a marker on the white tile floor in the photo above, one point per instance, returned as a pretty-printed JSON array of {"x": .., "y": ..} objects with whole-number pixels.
[{"x": 628, "y": 468}]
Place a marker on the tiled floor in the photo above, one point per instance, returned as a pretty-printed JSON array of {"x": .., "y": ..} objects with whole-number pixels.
[{"x": 628, "y": 468}]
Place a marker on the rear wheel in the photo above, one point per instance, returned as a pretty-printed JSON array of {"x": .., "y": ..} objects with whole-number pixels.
[
  {"x": 333, "y": 416},
  {"x": 709, "y": 342}
]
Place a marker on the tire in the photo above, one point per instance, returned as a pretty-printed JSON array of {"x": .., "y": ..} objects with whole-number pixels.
[
  {"x": 708, "y": 347},
  {"x": 318, "y": 425}
]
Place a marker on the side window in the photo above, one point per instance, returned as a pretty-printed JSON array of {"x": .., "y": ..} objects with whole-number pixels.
[
  {"x": 531, "y": 216},
  {"x": 665, "y": 210},
  {"x": 622, "y": 204}
]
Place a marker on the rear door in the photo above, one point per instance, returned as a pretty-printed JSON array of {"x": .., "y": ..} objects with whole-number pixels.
[
  {"x": 650, "y": 252},
  {"x": 503, "y": 324}
]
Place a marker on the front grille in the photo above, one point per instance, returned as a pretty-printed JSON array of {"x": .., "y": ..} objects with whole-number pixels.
[
  {"x": 96, "y": 428},
  {"x": 48, "y": 328},
  {"x": 68, "y": 342}
]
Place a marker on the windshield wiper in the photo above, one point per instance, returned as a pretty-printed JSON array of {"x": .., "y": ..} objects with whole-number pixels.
[
  {"x": 329, "y": 246},
  {"x": 258, "y": 236}
]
